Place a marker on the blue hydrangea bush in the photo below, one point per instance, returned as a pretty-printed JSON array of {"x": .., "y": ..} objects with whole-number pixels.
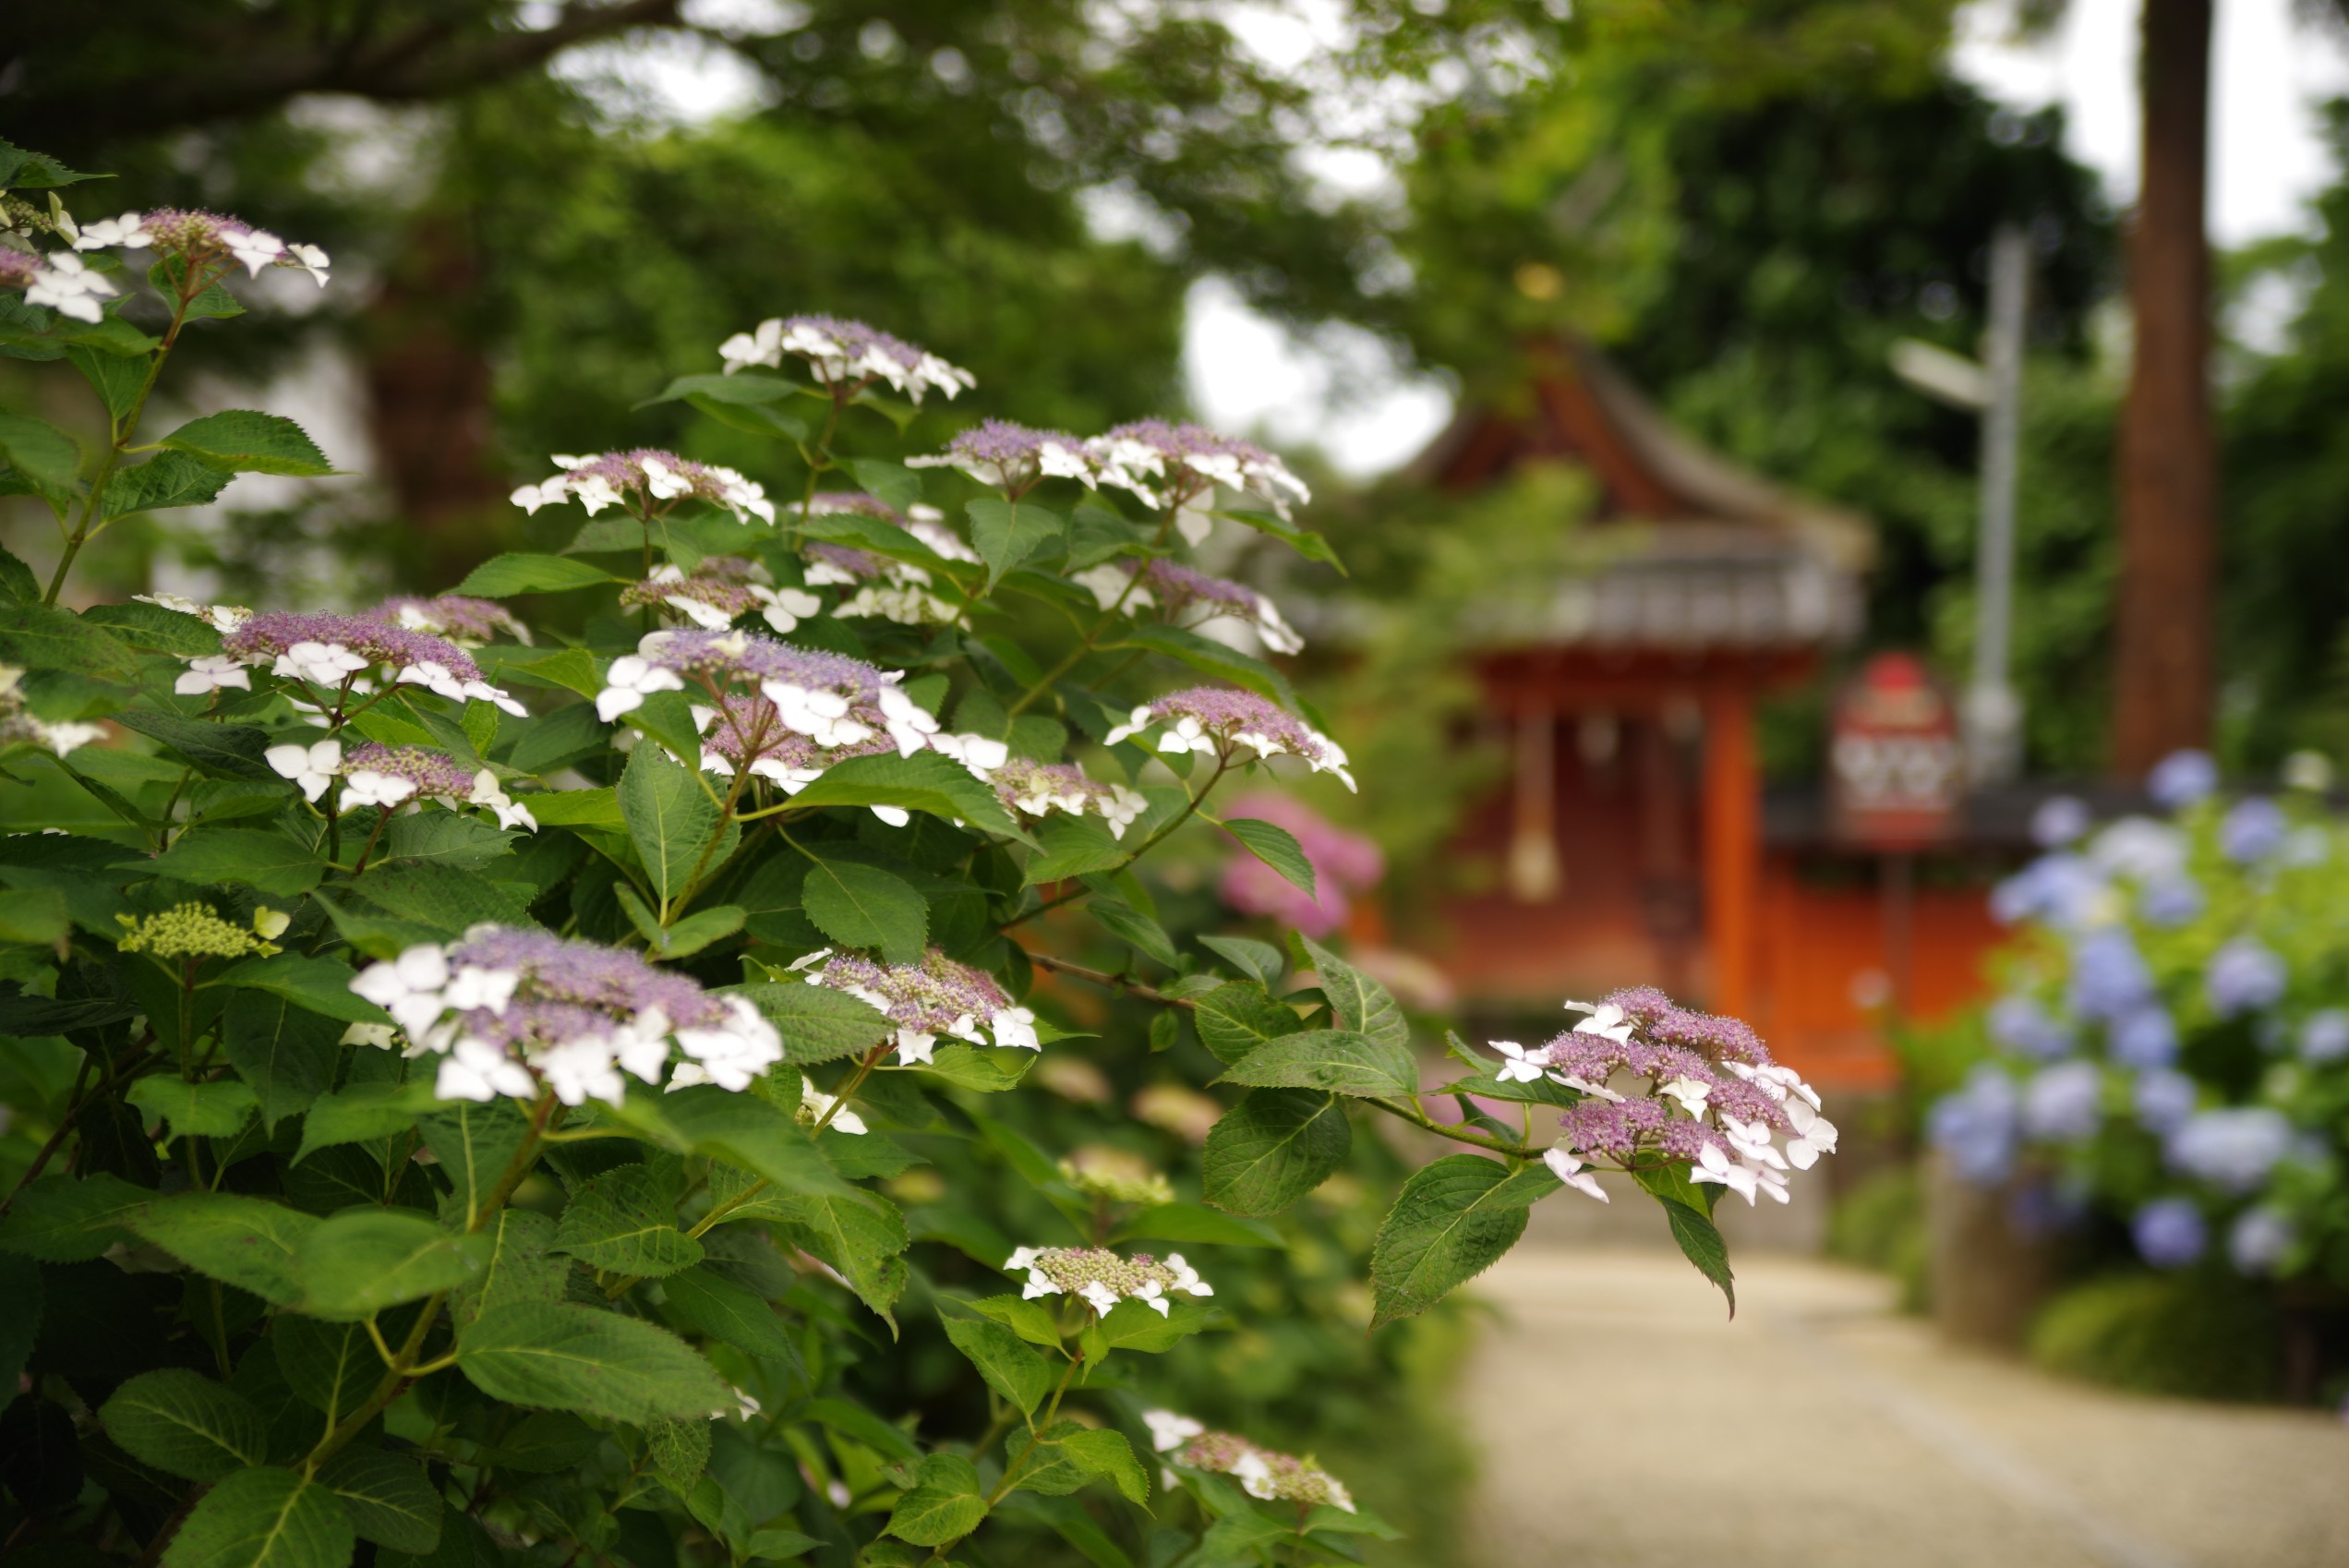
[
  {"x": 2171, "y": 1046},
  {"x": 494, "y": 1093}
]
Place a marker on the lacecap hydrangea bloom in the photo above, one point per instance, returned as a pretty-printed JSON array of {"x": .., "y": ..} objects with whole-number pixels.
[
  {"x": 1265, "y": 1474},
  {"x": 1189, "y": 597},
  {"x": 1101, "y": 1279},
  {"x": 1037, "y": 789},
  {"x": 1014, "y": 458},
  {"x": 831, "y": 698},
  {"x": 200, "y": 239},
  {"x": 378, "y": 774},
  {"x": 1705, "y": 1092},
  {"x": 1172, "y": 466},
  {"x": 847, "y": 356},
  {"x": 335, "y": 653},
  {"x": 468, "y": 623},
  {"x": 517, "y": 1013},
  {"x": 648, "y": 483},
  {"x": 927, "y": 1000},
  {"x": 721, "y": 588},
  {"x": 1217, "y": 720}
]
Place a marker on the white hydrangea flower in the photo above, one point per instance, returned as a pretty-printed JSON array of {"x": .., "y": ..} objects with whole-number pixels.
[
  {"x": 1570, "y": 1170},
  {"x": 312, "y": 767},
  {"x": 211, "y": 672},
  {"x": 1521, "y": 1066},
  {"x": 629, "y": 682}
]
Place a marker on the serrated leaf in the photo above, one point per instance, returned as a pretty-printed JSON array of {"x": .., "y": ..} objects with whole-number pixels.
[
  {"x": 1361, "y": 1003},
  {"x": 892, "y": 484},
  {"x": 167, "y": 479},
  {"x": 1276, "y": 847},
  {"x": 1190, "y": 1222},
  {"x": 332, "y": 1367},
  {"x": 41, "y": 636},
  {"x": 671, "y": 817},
  {"x": 1305, "y": 541},
  {"x": 387, "y": 1496},
  {"x": 1261, "y": 961},
  {"x": 362, "y": 1114},
  {"x": 268, "y": 861},
  {"x": 1338, "y": 1060},
  {"x": 1007, "y": 533},
  {"x": 263, "y": 1518},
  {"x": 711, "y": 1304},
  {"x": 1031, "y": 1320},
  {"x": 1453, "y": 1220},
  {"x": 946, "y": 1503},
  {"x": 185, "y": 1423},
  {"x": 285, "y": 1053},
  {"x": 476, "y": 1144},
  {"x": 1211, "y": 657},
  {"x": 361, "y": 1261},
  {"x": 202, "y": 1110},
  {"x": 1073, "y": 846},
  {"x": 44, "y": 455},
  {"x": 555, "y": 1354},
  {"x": 1700, "y": 1242},
  {"x": 862, "y": 906},
  {"x": 246, "y": 1242},
  {"x": 245, "y": 441},
  {"x": 1008, "y": 1364},
  {"x": 1135, "y": 1325},
  {"x": 505, "y": 576},
  {"x": 624, "y": 1223},
  {"x": 1273, "y": 1148},
  {"x": 859, "y": 1233},
  {"x": 817, "y": 1023},
  {"x": 229, "y": 751},
  {"x": 520, "y": 1266},
  {"x": 925, "y": 781},
  {"x": 322, "y": 985},
  {"x": 1234, "y": 1020},
  {"x": 66, "y": 1221},
  {"x": 1101, "y": 1452},
  {"x": 1136, "y": 929}
]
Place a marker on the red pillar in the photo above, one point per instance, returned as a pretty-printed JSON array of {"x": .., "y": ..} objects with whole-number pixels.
[{"x": 1732, "y": 833}]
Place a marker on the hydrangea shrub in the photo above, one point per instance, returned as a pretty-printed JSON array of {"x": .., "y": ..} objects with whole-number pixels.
[
  {"x": 2171, "y": 1047},
  {"x": 479, "y": 1067}
]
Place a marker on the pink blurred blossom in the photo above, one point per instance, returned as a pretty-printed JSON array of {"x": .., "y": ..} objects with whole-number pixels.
[{"x": 1346, "y": 865}]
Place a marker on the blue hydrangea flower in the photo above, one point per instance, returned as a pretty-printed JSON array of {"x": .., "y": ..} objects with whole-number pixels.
[
  {"x": 2252, "y": 831},
  {"x": 2325, "y": 1036},
  {"x": 2059, "y": 820},
  {"x": 2244, "y": 976},
  {"x": 2021, "y": 1024},
  {"x": 2169, "y": 1233},
  {"x": 2258, "y": 1241},
  {"x": 2061, "y": 889},
  {"x": 1975, "y": 1126},
  {"x": 2060, "y": 1102},
  {"x": 2144, "y": 1038},
  {"x": 2163, "y": 1099},
  {"x": 2181, "y": 778},
  {"x": 2234, "y": 1148},
  {"x": 2108, "y": 976},
  {"x": 2171, "y": 902}
]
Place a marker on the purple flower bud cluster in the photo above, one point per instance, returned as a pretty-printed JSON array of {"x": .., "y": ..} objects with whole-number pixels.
[
  {"x": 1102, "y": 1279},
  {"x": 425, "y": 771},
  {"x": 645, "y": 480},
  {"x": 1263, "y": 1473},
  {"x": 846, "y": 355},
  {"x": 460, "y": 619},
  {"x": 1711, "y": 1096},
  {"x": 515, "y": 1012},
  {"x": 1036, "y": 789},
  {"x": 749, "y": 731},
  {"x": 1186, "y": 461},
  {"x": 1215, "y": 720},
  {"x": 199, "y": 237},
  {"x": 1189, "y": 596},
  {"x": 936, "y": 997},
  {"x": 277, "y": 634},
  {"x": 1012, "y": 458}
]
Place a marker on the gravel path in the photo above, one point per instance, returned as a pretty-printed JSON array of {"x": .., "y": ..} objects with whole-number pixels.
[{"x": 1624, "y": 1424}]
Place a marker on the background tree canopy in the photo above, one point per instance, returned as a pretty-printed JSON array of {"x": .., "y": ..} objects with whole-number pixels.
[{"x": 1746, "y": 204}]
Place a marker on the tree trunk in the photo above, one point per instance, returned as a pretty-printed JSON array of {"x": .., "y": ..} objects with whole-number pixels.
[{"x": 2165, "y": 674}]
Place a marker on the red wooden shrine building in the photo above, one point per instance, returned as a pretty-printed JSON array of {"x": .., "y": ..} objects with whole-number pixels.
[{"x": 1633, "y": 842}]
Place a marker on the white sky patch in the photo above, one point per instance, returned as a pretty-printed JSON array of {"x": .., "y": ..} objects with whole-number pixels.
[
  {"x": 1342, "y": 392},
  {"x": 2271, "y": 70}
]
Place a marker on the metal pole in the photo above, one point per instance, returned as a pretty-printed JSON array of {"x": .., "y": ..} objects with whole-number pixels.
[{"x": 1994, "y": 716}]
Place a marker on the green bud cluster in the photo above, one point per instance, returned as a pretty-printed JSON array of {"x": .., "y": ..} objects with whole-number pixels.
[{"x": 189, "y": 931}]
